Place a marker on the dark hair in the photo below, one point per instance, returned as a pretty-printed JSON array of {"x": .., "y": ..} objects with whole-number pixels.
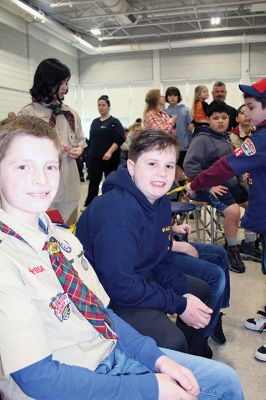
[
  {"x": 105, "y": 98},
  {"x": 259, "y": 99},
  {"x": 217, "y": 106},
  {"x": 47, "y": 79},
  {"x": 139, "y": 120},
  {"x": 173, "y": 91},
  {"x": 219, "y": 83},
  {"x": 150, "y": 140}
]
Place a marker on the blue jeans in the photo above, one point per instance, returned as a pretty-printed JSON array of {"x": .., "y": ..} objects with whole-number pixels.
[
  {"x": 212, "y": 267},
  {"x": 216, "y": 380}
]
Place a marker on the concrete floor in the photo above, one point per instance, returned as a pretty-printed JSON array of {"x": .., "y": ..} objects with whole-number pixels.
[{"x": 248, "y": 294}]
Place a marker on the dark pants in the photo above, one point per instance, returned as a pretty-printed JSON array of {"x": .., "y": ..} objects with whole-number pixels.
[
  {"x": 181, "y": 157},
  {"x": 156, "y": 324},
  {"x": 97, "y": 168}
]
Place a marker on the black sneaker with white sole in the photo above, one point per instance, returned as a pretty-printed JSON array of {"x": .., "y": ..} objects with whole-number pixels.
[
  {"x": 257, "y": 324},
  {"x": 249, "y": 251},
  {"x": 261, "y": 353},
  {"x": 234, "y": 258}
]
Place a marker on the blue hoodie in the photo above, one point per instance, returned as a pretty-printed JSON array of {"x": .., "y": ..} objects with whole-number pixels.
[{"x": 127, "y": 239}]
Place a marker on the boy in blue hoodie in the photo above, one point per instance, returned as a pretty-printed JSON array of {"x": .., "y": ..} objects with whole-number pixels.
[
  {"x": 126, "y": 234},
  {"x": 58, "y": 338},
  {"x": 249, "y": 157}
]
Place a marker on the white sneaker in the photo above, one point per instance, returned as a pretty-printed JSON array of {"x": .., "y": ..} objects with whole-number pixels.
[
  {"x": 257, "y": 324},
  {"x": 261, "y": 353}
]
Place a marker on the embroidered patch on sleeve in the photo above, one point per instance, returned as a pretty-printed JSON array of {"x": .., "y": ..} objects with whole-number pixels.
[
  {"x": 248, "y": 147},
  {"x": 238, "y": 152}
]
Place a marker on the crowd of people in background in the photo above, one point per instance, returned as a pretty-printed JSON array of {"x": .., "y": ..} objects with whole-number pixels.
[{"x": 130, "y": 271}]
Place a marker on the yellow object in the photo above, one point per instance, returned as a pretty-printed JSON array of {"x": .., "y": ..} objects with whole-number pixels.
[
  {"x": 72, "y": 228},
  {"x": 178, "y": 189}
]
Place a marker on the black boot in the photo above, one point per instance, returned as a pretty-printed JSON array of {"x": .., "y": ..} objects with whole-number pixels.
[
  {"x": 218, "y": 333},
  {"x": 206, "y": 351}
]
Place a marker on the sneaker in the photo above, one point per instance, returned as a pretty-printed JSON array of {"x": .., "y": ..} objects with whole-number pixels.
[
  {"x": 257, "y": 324},
  {"x": 218, "y": 333},
  {"x": 235, "y": 261},
  {"x": 250, "y": 251},
  {"x": 261, "y": 353}
]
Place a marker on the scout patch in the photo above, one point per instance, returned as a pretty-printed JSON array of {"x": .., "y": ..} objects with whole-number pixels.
[
  {"x": 60, "y": 305},
  {"x": 248, "y": 147},
  {"x": 238, "y": 152},
  {"x": 65, "y": 246},
  {"x": 84, "y": 263}
]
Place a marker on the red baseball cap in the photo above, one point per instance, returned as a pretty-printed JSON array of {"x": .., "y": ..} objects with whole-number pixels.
[{"x": 258, "y": 89}]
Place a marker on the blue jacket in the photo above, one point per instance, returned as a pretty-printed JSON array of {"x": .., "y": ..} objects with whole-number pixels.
[
  {"x": 127, "y": 239},
  {"x": 249, "y": 157}
]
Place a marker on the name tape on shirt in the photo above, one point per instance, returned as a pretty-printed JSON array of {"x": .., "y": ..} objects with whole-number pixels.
[{"x": 247, "y": 147}]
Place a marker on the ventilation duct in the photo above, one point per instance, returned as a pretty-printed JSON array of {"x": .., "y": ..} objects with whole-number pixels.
[{"x": 121, "y": 6}]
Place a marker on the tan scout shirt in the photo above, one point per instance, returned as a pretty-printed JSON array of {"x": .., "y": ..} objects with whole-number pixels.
[
  {"x": 69, "y": 186},
  {"x": 31, "y": 329}
]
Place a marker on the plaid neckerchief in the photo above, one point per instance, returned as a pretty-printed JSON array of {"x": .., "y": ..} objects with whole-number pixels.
[
  {"x": 84, "y": 299},
  {"x": 56, "y": 110}
]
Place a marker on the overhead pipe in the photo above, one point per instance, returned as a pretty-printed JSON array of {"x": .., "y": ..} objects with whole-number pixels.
[
  {"x": 180, "y": 44},
  {"x": 121, "y": 7}
]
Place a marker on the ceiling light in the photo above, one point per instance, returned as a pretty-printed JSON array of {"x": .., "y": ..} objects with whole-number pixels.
[
  {"x": 215, "y": 20},
  {"x": 96, "y": 32},
  {"x": 38, "y": 16}
]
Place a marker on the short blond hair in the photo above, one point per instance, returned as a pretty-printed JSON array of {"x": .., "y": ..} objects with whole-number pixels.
[{"x": 28, "y": 126}]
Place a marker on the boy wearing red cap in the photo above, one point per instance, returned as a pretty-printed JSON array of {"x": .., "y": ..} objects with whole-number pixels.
[{"x": 250, "y": 156}]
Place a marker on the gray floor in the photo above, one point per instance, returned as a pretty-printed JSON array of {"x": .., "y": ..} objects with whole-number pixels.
[{"x": 248, "y": 294}]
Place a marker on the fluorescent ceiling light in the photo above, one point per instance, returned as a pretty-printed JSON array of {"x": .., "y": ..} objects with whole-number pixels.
[
  {"x": 96, "y": 32},
  {"x": 36, "y": 15},
  {"x": 215, "y": 20}
]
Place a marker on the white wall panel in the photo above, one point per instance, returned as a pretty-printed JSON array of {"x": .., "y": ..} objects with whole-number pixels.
[
  {"x": 258, "y": 60},
  {"x": 116, "y": 68},
  {"x": 22, "y": 47},
  {"x": 138, "y": 94},
  {"x": 212, "y": 62}
]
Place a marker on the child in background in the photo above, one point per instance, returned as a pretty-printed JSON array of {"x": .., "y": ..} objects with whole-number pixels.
[
  {"x": 183, "y": 126},
  {"x": 243, "y": 130},
  {"x": 210, "y": 143},
  {"x": 133, "y": 130},
  {"x": 199, "y": 109},
  {"x": 57, "y": 338},
  {"x": 249, "y": 157}
]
